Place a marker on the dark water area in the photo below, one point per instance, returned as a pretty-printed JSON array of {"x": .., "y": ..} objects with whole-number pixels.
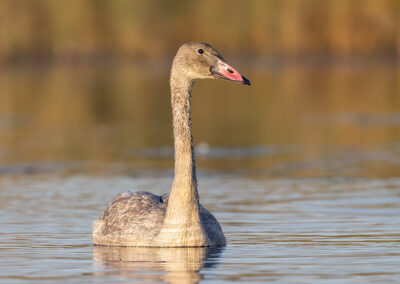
[
  {"x": 302, "y": 169},
  {"x": 315, "y": 121}
]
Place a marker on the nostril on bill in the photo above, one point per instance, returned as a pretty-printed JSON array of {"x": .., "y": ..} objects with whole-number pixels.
[{"x": 230, "y": 71}]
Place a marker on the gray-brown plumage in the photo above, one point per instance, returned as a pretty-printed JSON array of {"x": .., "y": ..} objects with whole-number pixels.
[{"x": 176, "y": 219}]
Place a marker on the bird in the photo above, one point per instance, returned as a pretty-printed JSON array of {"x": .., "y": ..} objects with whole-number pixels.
[{"x": 177, "y": 219}]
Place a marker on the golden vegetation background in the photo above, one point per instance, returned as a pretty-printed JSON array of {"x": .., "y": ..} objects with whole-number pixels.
[
  {"x": 143, "y": 29},
  {"x": 338, "y": 117}
]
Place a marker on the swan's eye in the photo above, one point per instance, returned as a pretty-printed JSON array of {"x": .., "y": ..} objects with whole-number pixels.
[{"x": 201, "y": 51}]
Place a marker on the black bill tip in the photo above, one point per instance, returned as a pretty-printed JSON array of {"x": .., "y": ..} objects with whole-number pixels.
[{"x": 246, "y": 81}]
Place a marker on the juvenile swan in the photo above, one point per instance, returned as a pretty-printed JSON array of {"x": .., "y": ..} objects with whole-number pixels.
[{"x": 142, "y": 219}]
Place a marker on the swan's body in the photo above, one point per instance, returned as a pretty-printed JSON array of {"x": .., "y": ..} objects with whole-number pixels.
[
  {"x": 176, "y": 219},
  {"x": 135, "y": 219}
]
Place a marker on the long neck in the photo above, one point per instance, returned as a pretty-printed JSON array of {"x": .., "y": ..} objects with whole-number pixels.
[
  {"x": 183, "y": 203},
  {"x": 182, "y": 225},
  {"x": 185, "y": 167}
]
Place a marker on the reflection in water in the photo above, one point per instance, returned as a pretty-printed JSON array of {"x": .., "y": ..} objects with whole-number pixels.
[
  {"x": 103, "y": 115},
  {"x": 181, "y": 265}
]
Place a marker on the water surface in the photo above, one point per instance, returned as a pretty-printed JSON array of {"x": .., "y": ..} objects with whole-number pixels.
[
  {"x": 284, "y": 230},
  {"x": 302, "y": 169}
]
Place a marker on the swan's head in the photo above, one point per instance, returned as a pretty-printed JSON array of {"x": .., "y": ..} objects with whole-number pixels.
[{"x": 197, "y": 60}]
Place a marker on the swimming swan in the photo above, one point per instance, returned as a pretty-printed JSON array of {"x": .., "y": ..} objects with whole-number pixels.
[{"x": 177, "y": 219}]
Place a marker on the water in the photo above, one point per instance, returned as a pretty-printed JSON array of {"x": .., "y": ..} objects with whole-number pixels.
[
  {"x": 284, "y": 230},
  {"x": 302, "y": 170}
]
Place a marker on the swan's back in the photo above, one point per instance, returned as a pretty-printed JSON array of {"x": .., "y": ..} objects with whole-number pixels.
[{"x": 131, "y": 218}]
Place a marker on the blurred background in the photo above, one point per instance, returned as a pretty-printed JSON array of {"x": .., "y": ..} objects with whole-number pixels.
[{"x": 84, "y": 86}]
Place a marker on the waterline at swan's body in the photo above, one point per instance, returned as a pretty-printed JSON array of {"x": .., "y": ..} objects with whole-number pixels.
[{"x": 135, "y": 219}]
